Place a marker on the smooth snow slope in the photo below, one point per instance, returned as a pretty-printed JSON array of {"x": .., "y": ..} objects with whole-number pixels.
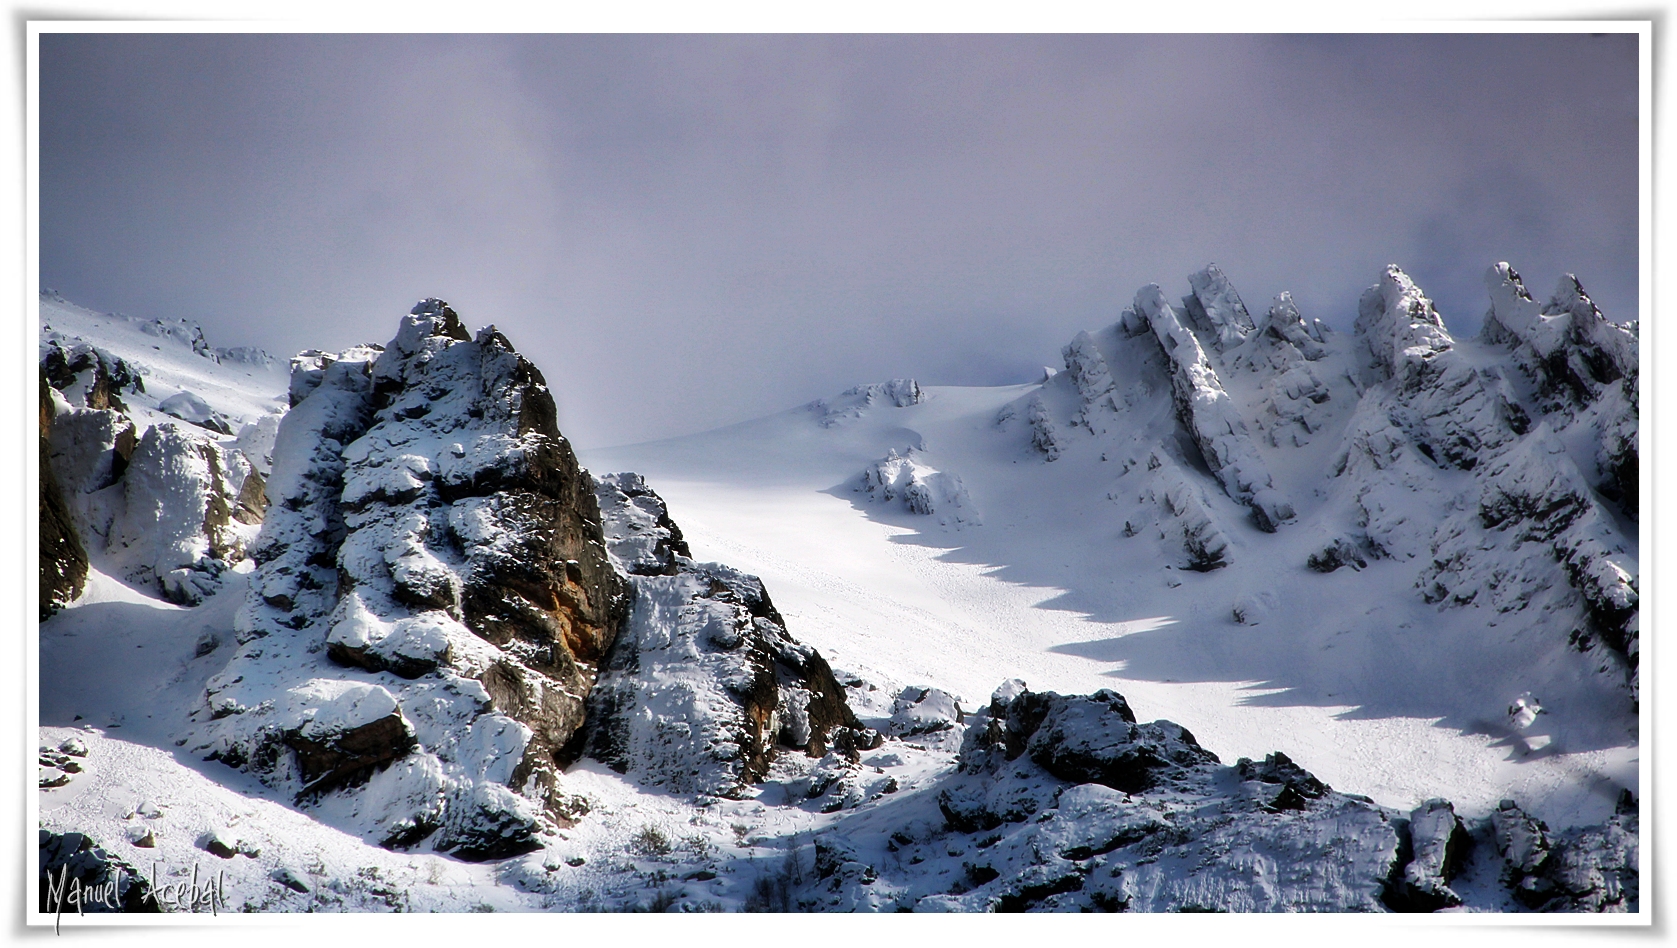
[{"x": 1351, "y": 674}]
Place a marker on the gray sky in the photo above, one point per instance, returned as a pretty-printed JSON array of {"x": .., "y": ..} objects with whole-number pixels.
[{"x": 688, "y": 231}]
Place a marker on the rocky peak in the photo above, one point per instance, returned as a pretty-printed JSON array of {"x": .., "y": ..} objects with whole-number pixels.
[
  {"x": 1216, "y": 308},
  {"x": 1207, "y": 412},
  {"x": 1399, "y": 325},
  {"x": 433, "y": 529}
]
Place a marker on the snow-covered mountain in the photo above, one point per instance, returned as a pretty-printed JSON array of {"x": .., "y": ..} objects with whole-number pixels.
[{"x": 400, "y": 650}]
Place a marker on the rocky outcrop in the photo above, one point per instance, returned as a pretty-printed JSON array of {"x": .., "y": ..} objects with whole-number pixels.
[
  {"x": 63, "y": 570},
  {"x": 169, "y": 507},
  {"x": 78, "y": 876},
  {"x": 1282, "y": 348},
  {"x": 640, "y": 536},
  {"x": 1088, "y": 370},
  {"x": 1193, "y": 522},
  {"x": 704, "y": 682},
  {"x": 1585, "y": 367},
  {"x": 907, "y": 481},
  {"x": 1216, "y": 308},
  {"x": 851, "y": 404},
  {"x": 1045, "y": 435},
  {"x": 1210, "y": 416},
  {"x": 90, "y": 377},
  {"x": 1585, "y": 869},
  {"x": 1438, "y": 847},
  {"x": 432, "y": 538},
  {"x": 1065, "y": 803}
]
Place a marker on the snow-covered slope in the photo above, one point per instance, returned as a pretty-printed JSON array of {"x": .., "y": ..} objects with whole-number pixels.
[
  {"x": 1373, "y": 595},
  {"x": 1120, "y": 558}
]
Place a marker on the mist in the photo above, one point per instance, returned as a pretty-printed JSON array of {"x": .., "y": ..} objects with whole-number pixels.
[{"x": 687, "y": 231}]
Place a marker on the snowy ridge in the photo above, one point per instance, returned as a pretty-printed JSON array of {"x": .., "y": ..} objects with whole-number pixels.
[{"x": 852, "y": 403}]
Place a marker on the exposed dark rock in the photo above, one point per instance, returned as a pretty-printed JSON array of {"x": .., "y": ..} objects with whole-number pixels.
[
  {"x": 63, "y": 558},
  {"x": 1335, "y": 555},
  {"x": 1436, "y": 848},
  {"x": 349, "y": 756},
  {"x": 72, "y": 862},
  {"x": 1087, "y": 739},
  {"x": 706, "y": 650},
  {"x": 90, "y": 377}
]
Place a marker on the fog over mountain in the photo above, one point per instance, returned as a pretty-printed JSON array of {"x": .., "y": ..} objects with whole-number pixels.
[{"x": 686, "y": 231}]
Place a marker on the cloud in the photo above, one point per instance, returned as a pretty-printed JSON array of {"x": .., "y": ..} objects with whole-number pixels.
[{"x": 685, "y": 231}]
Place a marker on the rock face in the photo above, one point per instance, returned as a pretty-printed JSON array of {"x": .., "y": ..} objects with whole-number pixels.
[
  {"x": 63, "y": 559},
  {"x": 704, "y": 681},
  {"x": 1537, "y": 534},
  {"x": 1586, "y": 869},
  {"x": 434, "y": 564}
]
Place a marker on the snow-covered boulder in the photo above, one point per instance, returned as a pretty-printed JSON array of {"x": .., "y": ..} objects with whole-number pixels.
[
  {"x": 925, "y": 714},
  {"x": 908, "y": 482},
  {"x": 188, "y": 407}
]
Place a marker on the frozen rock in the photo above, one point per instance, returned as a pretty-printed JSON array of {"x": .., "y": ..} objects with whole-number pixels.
[
  {"x": 190, "y": 505},
  {"x": 1204, "y": 542},
  {"x": 63, "y": 559},
  {"x": 918, "y": 711},
  {"x": 704, "y": 681},
  {"x": 640, "y": 536},
  {"x": 1045, "y": 435},
  {"x": 1197, "y": 837},
  {"x": 429, "y": 526},
  {"x": 906, "y": 480},
  {"x": 1585, "y": 367},
  {"x": 1439, "y": 845},
  {"x": 1293, "y": 394},
  {"x": 1211, "y": 417},
  {"x": 90, "y": 377},
  {"x": 1088, "y": 369},
  {"x": 1217, "y": 308}
]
